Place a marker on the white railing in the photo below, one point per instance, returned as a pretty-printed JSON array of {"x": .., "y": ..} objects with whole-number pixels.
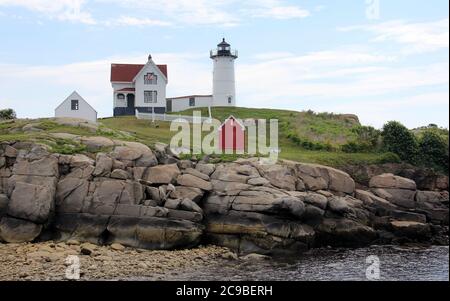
[{"x": 166, "y": 117}]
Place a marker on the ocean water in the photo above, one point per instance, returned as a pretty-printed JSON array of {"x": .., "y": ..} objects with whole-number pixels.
[{"x": 389, "y": 263}]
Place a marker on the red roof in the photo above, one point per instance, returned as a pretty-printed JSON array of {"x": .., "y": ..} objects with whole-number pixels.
[{"x": 127, "y": 72}]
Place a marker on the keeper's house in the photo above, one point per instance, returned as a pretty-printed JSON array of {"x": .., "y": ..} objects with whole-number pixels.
[{"x": 139, "y": 87}]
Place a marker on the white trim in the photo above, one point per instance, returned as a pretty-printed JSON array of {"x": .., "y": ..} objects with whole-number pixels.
[
  {"x": 150, "y": 62},
  {"x": 235, "y": 119}
]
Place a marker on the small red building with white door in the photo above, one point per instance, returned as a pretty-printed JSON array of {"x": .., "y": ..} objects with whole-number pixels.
[{"x": 232, "y": 135}]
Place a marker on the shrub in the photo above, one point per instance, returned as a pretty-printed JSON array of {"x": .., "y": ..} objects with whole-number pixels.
[
  {"x": 399, "y": 140},
  {"x": 7, "y": 114},
  {"x": 433, "y": 150}
]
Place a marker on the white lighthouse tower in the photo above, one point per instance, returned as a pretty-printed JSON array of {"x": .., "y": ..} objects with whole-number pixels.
[{"x": 224, "y": 87}]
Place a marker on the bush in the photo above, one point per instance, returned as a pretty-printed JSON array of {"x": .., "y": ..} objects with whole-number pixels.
[
  {"x": 433, "y": 150},
  {"x": 389, "y": 158},
  {"x": 309, "y": 145},
  {"x": 7, "y": 114},
  {"x": 357, "y": 147},
  {"x": 399, "y": 140}
]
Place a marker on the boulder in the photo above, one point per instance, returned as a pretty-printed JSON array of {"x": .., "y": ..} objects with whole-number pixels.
[
  {"x": 81, "y": 227},
  {"x": 340, "y": 181},
  {"x": 412, "y": 230},
  {"x": 400, "y": 197},
  {"x": 97, "y": 143},
  {"x": 103, "y": 165},
  {"x": 71, "y": 194},
  {"x": 193, "y": 181},
  {"x": 391, "y": 181},
  {"x": 163, "y": 174},
  {"x": 344, "y": 233},
  {"x": 206, "y": 168},
  {"x": 45, "y": 167},
  {"x": 154, "y": 233},
  {"x": 4, "y": 201},
  {"x": 14, "y": 230},
  {"x": 79, "y": 160},
  {"x": 280, "y": 206},
  {"x": 339, "y": 205},
  {"x": 370, "y": 200},
  {"x": 279, "y": 176},
  {"x": 196, "y": 173},
  {"x": 10, "y": 152},
  {"x": 316, "y": 177},
  {"x": 260, "y": 181},
  {"x": 191, "y": 193},
  {"x": 31, "y": 202},
  {"x": 249, "y": 232},
  {"x": 120, "y": 174}
]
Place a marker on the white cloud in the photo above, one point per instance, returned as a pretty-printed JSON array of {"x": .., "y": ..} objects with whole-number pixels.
[
  {"x": 131, "y": 21},
  {"x": 417, "y": 37},
  {"x": 274, "y": 9},
  {"x": 63, "y": 10},
  {"x": 225, "y": 13}
]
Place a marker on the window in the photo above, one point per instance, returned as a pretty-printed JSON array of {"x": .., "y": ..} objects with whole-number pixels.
[
  {"x": 192, "y": 102},
  {"x": 150, "y": 96},
  {"x": 74, "y": 104},
  {"x": 229, "y": 99},
  {"x": 120, "y": 96},
  {"x": 150, "y": 79}
]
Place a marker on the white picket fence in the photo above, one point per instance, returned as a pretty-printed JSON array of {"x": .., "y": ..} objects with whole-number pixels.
[{"x": 166, "y": 117}]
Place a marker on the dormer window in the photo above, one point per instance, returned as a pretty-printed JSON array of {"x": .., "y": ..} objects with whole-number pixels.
[
  {"x": 150, "y": 79},
  {"x": 74, "y": 104}
]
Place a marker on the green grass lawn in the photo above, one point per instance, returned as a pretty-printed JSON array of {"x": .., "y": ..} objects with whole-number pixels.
[
  {"x": 324, "y": 128},
  {"x": 147, "y": 132}
]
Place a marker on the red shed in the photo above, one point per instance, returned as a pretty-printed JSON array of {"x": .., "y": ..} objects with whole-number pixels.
[{"x": 232, "y": 135}]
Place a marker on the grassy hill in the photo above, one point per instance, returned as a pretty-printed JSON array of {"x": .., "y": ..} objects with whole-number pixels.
[{"x": 303, "y": 136}]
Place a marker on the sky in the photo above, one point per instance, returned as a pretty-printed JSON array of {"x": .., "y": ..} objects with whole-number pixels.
[{"x": 380, "y": 59}]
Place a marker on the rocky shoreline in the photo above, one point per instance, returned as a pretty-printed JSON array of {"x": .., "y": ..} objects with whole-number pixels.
[
  {"x": 48, "y": 261},
  {"x": 126, "y": 193}
]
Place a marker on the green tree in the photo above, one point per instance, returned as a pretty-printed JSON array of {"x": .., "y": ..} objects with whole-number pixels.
[
  {"x": 401, "y": 141},
  {"x": 7, "y": 114},
  {"x": 433, "y": 150}
]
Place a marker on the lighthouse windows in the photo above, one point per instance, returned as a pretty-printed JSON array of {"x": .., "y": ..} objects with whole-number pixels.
[
  {"x": 150, "y": 79},
  {"x": 150, "y": 96},
  {"x": 230, "y": 99}
]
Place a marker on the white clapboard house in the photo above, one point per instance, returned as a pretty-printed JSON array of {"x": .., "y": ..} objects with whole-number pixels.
[
  {"x": 139, "y": 87},
  {"x": 75, "y": 106}
]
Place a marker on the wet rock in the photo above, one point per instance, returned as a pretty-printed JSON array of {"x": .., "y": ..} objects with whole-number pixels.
[
  {"x": 14, "y": 230},
  {"x": 344, "y": 233},
  {"x": 412, "y": 230}
]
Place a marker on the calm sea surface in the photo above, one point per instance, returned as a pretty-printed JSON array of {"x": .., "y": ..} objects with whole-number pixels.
[{"x": 395, "y": 263}]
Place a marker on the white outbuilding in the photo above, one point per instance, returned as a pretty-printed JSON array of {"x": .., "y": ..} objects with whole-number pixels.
[{"x": 75, "y": 106}]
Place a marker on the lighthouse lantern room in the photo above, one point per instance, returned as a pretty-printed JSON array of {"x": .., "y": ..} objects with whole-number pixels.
[{"x": 224, "y": 86}]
